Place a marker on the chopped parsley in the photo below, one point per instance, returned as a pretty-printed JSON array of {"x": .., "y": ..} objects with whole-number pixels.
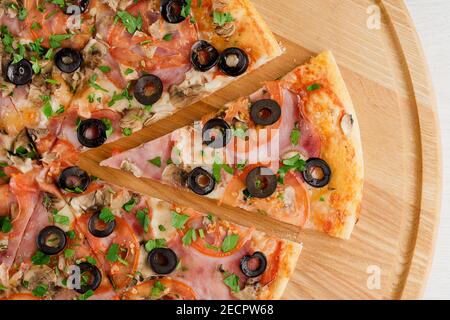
[
  {"x": 295, "y": 135},
  {"x": 5, "y": 224},
  {"x": 161, "y": 228},
  {"x": 130, "y": 22},
  {"x": 71, "y": 234},
  {"x": 40, "y": 290},
  {"x": 35, "y": 65},
  {"x": 86, "y": 295},
  {"x": 93, "y": 83},
  {"x": 60, "y": 219},
  {"x": 178, "y": 220},
  {"x": 232, "y": 281},
  {"x": 56, "y": 39},
  {"x": 189, "y": 237},
  {"x": 69, "y": 253},
  {"x": 106, "y": 215},
  {"x": 128, "y": 206},
  {"x": 221, "y": 18},
  {"x": 104, "y": 69},
  {"x": 156, "y": 243},
  {"x": 313, "y": 87},
  {"x": 186, "y": 9},
  {"x": 36, "y": 26},
  {"x": 143, "y": 218},
  {"x": 296, "y": 163},
  {"x": 127, "y": 132},
  {"x": 128, "y": 71},
  {"x": 91, "y": 260},
  {"x": 22, "y": 14},
  {"x": 157, "y": 289},
  {"x": 217, "y": 167},
  {"x": 156, "y": 161},
  {"x": 230, "y": 242},
  {"x": 40, "y": 258},
  {"x": 113, "y": 254},
  {"x": 168, "y": 37},
  {"x": 108, "y": 125}
]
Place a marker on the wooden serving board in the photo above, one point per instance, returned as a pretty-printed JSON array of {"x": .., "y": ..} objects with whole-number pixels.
[{"x": 388, "y": 80}]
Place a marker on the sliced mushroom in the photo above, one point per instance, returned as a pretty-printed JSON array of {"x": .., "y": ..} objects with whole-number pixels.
[
  {"x": 251, "y": 290},
  {"x": 131, "y": 167},
  {"x": 174, "y": 175},
  {"x": 135, "y": 119},
  {"x": 347, "y": 124},
  {"x": 219, "y": 5},
  {"x": 23, "y": 146},
  {"x": 227, "y": 30},
  {"x": 93, "y": 53},
  {"x": 97, "y": 199},
  {"x": 40, "y": 275}
]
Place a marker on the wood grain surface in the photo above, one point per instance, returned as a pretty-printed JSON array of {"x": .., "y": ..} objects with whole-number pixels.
[{"x": 389, "y": 83}]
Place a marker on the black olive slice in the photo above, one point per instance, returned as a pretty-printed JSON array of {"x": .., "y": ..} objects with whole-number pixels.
[
  {"x": 162, "y": 260},
  {"x": 91, "y": 133},
  {"x": 265, "y": 112},
  {"x": 172, "y": 10},
  {"x": 261, "y": 182},
  {"x": 74, "y": 7},
  {"x": 51, "y": 240},
  {"x": 100, "y": 229},
  {"x": 148, "y": 89},
  {"x": 233, "y": 62},
  {"x": 317, "y": 179},
  {"x": 94, "y": 277},
  {"x": 254, "y": 271},
  {"x": 216, "y": 133},
  {"x": 68, "y": 60},
  {"x": 204, "y": 56},
  {"x": 201, "y": 181},
  {"x": 73, "y": 179},
  {"x": 19, "y": 73}
]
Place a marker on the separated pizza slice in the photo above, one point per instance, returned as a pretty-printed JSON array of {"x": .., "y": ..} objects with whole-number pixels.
[
  {"x": 292, "y": 151},
  {"x": 151, "y": 249},
  {"x": 53, "y": 259},
  {"x": 148, "y": 59}
]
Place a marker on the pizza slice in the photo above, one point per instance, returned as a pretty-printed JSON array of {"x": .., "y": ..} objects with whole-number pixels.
[
  {"x": 148, "y": 59},
  {"x": 52, "y": 259},
  {"x": 292, "y": 150},
  {"x": 151, "y": 249}
]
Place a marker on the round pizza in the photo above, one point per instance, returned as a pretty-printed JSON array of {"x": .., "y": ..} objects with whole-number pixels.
[{"x": 76, "y": 74}]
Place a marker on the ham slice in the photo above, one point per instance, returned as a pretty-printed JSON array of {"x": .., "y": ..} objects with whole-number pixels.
[
  {"x": 139, "y": 157},
  {"x": 26, "y": 192},
  {"x": 38, "y": 221},
  {"x": 68, "y": 130},
  {"x": 203, "y": 274}
]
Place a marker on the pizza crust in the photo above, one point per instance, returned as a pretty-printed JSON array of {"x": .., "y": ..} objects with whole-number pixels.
[
  {"x": 288, "y": 262},
  {"x": 340, "y": 211}
]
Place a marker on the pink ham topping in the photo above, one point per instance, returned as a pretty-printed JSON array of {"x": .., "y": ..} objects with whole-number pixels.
[{"x": 140, "y": 157}]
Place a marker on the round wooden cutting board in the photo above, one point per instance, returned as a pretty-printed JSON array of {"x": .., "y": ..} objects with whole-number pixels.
[{"x": 384, "y": 68}]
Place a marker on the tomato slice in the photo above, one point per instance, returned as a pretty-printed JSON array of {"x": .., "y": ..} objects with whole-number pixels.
[
  {"x": 21, "y": 296},
  {"x": 128, "y": 253},
  {"x": 273, "y": 265},
  {"x": 294, "y": 210},
  {"x": 209, "y": 241},
  {"x": 173, "y": 290}
]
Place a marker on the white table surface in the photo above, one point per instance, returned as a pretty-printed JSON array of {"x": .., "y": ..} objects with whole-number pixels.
[{"x": 432, "y": 19}]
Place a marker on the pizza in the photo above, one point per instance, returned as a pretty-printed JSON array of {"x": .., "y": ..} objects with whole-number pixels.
[
  {"x": 291, "y": 150},
  {"x": 128, "y": 246},
  {"x": 76, "y": 74},
  {"x": 93, "y": 71}
]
